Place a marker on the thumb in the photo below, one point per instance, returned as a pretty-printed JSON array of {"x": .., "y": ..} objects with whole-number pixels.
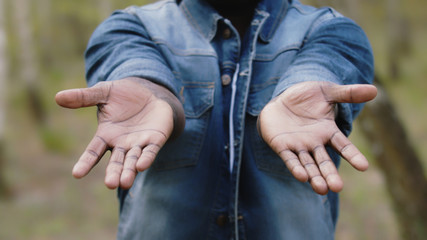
[
  {"x": 355, "y": 93},
  {"x": 83, "y": 97}
]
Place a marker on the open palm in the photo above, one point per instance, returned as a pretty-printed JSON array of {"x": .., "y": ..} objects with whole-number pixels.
[
  {"x": 301, "y": 121},
  {"x": 132, "y": 122}
]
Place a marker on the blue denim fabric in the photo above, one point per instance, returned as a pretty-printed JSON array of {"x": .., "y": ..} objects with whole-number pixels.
[{"x": 189, "y": 192}]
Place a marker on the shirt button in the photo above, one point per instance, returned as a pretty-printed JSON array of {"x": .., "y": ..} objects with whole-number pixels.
[
  {"x": 221, "y": 220},
  {"x": 225, "y": 79},
  {"x": 226, "y": 34}
]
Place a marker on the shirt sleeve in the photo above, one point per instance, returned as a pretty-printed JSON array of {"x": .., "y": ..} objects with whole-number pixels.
[
  {"x": 338, "y": 51},
  {"x": 120, "y": 47}
]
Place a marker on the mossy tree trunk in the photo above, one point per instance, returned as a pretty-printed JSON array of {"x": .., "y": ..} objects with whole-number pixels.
[
  {"x": 398, "y": 39},
  {"x": 399, "y": 163},
  {"x": 28, "y": 62}
]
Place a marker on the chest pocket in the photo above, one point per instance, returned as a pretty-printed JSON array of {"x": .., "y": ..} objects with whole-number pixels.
[
  {"x": 267, "y": 72},
  {"x": 197, "y": 75}
]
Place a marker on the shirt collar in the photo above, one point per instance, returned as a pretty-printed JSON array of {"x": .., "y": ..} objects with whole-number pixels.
[
  {"x": 205, "y": 18},
  {"x": 202, "y": 16},
  {"x": 277, "y": 10}
]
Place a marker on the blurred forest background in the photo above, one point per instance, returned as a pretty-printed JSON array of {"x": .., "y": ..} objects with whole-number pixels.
[{"x": 41, "y": 52}]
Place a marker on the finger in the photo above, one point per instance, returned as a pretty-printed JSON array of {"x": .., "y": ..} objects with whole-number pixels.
[
  {"x": 147, "y": 157},
  {"x": 356, "y": 93},
  {"x": 83, "y": 97},
  {"x": 115, "y": 168},
  {"x": 90, "y": 157},
  {"x": 327, "y": 168},
  {"x": 129, "y": 168},
  {"x": 348, "y": 151},
  {"x": 293, "y": 164},
  {"x": 316, "y": 180}
]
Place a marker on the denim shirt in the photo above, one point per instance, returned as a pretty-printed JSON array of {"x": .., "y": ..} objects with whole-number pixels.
[{"x": 189, "y": 192}]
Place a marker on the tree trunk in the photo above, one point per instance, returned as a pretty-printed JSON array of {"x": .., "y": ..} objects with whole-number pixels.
[
  {"x": 3, "y": 77},
  {"x": 27, "y": 59},
  {"x": 399, "y": 163},
  {"x": 45, "y": 33},
  {"x": 399, "y": 37}
]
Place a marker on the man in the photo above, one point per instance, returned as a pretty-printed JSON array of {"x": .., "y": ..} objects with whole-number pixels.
[{"x": 224, "y": 116}]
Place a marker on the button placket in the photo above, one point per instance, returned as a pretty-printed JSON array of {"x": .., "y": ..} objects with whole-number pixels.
[
  {"x": 226, "y": 34},
  {"x": 226, "y": 79},
  {"x": 222, "y": 220}
]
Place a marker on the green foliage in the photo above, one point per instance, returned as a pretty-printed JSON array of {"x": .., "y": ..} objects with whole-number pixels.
[{"x": 55, "y": 140}]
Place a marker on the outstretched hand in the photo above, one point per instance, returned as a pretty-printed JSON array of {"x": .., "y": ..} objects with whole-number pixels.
[
  {"x": 301, "y": 121},
  {"x": 135, "y": 119}
]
